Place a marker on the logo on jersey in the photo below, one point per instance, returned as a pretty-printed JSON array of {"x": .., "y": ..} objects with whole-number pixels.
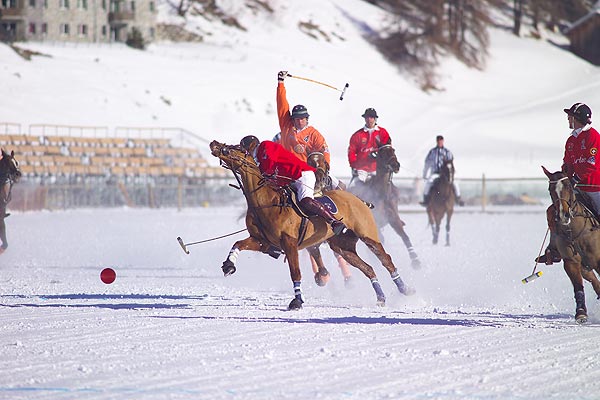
[{"x": 593, "y": 151}]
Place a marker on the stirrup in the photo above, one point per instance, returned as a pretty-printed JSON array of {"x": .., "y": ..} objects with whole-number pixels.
[{"x": 548, "y": 258}]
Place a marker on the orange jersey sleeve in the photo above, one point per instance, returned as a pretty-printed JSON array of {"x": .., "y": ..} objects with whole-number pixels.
[{"x": 283, "y": 110}]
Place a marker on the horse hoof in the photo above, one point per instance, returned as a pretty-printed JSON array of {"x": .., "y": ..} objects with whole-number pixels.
[
  {"x": 581, "y": 316},
  {"x": 2, "y": 250},
  {"x": 321, "y": 279},
  {"x": 408, "y": 291},
  {"x": 381, "y": 302},
  {"x": 348, "y": 282},
  {"x": 415, "y": 263},
  {"x": 295, "y": 304},
  {"x": 228, "y": 268}
]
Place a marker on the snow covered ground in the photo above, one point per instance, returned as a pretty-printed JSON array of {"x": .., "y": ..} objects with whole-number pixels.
[{"x": 171, "y": 326}]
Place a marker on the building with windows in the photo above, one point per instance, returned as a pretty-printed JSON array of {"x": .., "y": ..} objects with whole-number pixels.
[{"x": 91, "y": 21}]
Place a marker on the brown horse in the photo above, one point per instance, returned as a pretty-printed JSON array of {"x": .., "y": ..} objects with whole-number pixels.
[
  {"x": 274, "y": 225},
  {"x": 324, "y": 183},
  {"x": 9, "y": 174},
  {"x": 384, "y": 195},
  {"x": 441, "y": 201},
  {"x": 576, "y": 235}
]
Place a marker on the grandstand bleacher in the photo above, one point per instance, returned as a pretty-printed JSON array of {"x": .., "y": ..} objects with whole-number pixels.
[{"x": 47, "y": 151}]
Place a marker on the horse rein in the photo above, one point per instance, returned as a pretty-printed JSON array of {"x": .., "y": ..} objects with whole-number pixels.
[
  {"x": 573, "y": 203},
  {"x": 7, "y": 177},
  {"x": 262, "y": 183}
]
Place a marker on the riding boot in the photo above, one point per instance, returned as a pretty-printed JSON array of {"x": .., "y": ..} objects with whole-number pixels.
[
  {"x": 550, "y": 256},
  {"x": 425, "y": 200},
  {"x": 460, "y": 201},
  {"x": 313, "y": 207}
]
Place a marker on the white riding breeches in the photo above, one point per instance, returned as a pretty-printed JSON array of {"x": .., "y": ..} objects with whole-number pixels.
[
  {"x": 364, "y": 176},
  {"x": 305, "y": 185},
  {"x": 429, "y": 183}
]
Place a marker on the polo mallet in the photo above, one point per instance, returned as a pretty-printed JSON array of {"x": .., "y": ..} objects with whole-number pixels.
[
  {"x": 185, "y": 245},
  {"x": 534, "y": 275},
  {"x": 324, "y": 84}
]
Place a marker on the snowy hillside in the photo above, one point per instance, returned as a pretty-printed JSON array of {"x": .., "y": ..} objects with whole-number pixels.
[{"x": 504, "y": 121}]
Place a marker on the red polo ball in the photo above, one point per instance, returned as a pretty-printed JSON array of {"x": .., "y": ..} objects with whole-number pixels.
[{"x": 108, "y": 275}]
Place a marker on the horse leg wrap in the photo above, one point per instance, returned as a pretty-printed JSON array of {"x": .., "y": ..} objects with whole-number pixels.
[
  {"x": 399, "y": 282},
  {"x": 412, "y": 253},
  {"x": 580, "y": 300},
  {"x": 378, "y": 291},
  {"x": 580, "y": 311},
  {"x": 298, "y": 291},
  {"x": 229, "y": 264}
]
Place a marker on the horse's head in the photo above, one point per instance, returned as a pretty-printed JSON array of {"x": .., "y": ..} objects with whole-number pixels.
[
  {"x": 9, "y": 166},
  {"x": 387, "y": 160},
  {"x": 316, "y": 159},
  {"x": 231, "y": 156},
  {"x": 447, "y": 170},
  {"x": 562, "y": 194}
]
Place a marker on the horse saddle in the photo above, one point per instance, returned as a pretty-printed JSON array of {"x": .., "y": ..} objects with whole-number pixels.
[
  {"x": 587, "y": 202},
  {"x": 292, "y": 201}
]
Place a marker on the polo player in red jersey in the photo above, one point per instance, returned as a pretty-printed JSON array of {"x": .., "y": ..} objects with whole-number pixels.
[
  {"x": 284, "y": 168},
  {"x": 581, "y": 163}
]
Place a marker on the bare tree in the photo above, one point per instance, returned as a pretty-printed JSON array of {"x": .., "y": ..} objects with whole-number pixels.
[
  {"x": 518, "y": 16},
  {"x": 422, "y": 31}
]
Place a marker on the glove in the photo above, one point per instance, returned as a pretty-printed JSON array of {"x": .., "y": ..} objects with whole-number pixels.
[
  {"x": 281, "y": 75},
  {"x": 576, "y": 179},
  {"x": 373, "y": 154}
]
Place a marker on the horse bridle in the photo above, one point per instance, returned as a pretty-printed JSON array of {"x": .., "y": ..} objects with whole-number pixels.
[
  {"x": 571, "y": 203},
  {"x": 262, "y": 183},
  {"x": 388, "y": 167},
  {"x": 8, "y": 177}
]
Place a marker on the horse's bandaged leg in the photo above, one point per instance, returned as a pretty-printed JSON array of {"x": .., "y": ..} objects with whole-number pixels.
[
  {"x": 228, "y": 267},
  {"x": 233, "y": 255},
  {"x": 298, "y": 291},
  {"x": 378, "y": 291}
]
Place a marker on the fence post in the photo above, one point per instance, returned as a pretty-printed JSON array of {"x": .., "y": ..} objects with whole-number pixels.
[{"x": 483, "y": 193}]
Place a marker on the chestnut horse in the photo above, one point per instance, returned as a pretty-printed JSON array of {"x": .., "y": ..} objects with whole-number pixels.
[
  {"x": 576, "y": 234},
  {"x": 441, "y": 201},
  {"x": 272, "y": 224},
  {"x": 384, "y": 195},
  {"x": 9, "y": 174},
  {"x": 324, "y": 183}
]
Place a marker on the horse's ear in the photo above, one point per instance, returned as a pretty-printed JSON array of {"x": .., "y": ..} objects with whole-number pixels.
[
  {"x": 548, "y": 173},
  {"x": 12, "y": 153}
]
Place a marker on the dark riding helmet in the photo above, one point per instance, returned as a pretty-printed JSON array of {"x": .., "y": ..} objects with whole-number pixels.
[
  {"x": 249, "y": 143},
  {"x": 370, "y": 112},
  {"x": 299, "y": 111},
  {"x": 581, "y": 112}
]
